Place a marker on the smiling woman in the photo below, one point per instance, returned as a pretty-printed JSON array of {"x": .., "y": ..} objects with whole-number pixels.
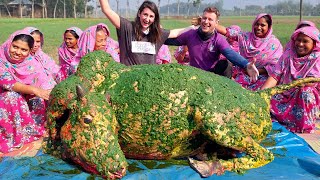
[
  {"x": 140, "y": 40},
  {"x": 20, "y": 48},
  {"x": 24, "y": 87},
  {"x": 262, "y": 26},
  {"x": 298, "y": 109},
  {"x": 47, "y": 62},
  {"x": 68, "y": 50},
  {"x": 96, "y": 37},
  {"x": 258, "y": 45}
]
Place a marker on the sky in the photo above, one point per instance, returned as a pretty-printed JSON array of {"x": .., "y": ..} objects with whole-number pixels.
[{"x": 227, "y": 4}]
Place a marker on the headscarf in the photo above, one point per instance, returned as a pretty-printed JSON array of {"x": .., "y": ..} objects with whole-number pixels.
[
  {"x": 265, "y": 50},
  {"x": 27, "y": 71},
  {"x": 87, "y": 42},
  {"x": 66, "y": 54},
  {"x": 304, "y": 22},
  {"x": 293, "y": 67},
  {"x": 47, "y": 62}
]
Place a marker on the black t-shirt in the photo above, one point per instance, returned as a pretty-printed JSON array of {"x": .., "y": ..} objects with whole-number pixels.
[{"x": 126, "y": 36}]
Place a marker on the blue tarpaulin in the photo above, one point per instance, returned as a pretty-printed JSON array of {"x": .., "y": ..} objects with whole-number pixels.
[{"x": 294, "y": 160}]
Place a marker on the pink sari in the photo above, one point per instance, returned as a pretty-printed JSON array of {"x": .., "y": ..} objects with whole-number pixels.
[
  {"x": 265, "y": 50},
  {"x": 163, "y": 56},
  {"x": 186, "y": 59},
  {"x": 46, "y": 61},
  {"x": 65, "y": 56},
  {"x": 232, "y": 38},
  {"x": 22, "y": 117},
  {"x": 87, "y": 42},
  {"x": 298, "y": 108}
]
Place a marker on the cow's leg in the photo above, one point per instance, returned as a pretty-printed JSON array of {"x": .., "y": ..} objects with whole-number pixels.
[
  {"x": 256, "y": 156},
  {"x": 225, "y": 131}
]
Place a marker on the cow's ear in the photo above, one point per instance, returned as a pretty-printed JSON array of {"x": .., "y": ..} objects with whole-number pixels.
[
  {"x": 80, "y": 91},
  {"x": 108, "y": 98}
]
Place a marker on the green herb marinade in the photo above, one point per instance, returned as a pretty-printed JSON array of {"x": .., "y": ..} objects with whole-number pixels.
[{"x": 108, "y": 112}]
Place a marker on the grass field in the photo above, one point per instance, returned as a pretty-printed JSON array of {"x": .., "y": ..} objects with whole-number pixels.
[{"x": 53, "y": 29}]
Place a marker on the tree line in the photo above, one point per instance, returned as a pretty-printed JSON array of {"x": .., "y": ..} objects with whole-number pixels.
[
  {"x": 282, "y": 8},
  {"x": 53, "y": 8},
  {"x": 91, "y": 8}
]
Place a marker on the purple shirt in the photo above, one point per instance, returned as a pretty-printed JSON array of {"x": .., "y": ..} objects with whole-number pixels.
[{"x": 203, "y": 54}]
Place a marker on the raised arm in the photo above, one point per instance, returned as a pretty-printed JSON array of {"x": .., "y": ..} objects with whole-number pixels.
[
  {"x": 176, "y": 32},
  {"x": 111, "y": 15},
  {"x": 221, "y": 29}
]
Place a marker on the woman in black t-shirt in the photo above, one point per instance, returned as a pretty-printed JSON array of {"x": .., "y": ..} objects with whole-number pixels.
[{"x": 140, "y": 40}]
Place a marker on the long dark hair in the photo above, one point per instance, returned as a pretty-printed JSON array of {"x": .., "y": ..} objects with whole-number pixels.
[
  {"x": 25, "y": 38},
  {"x": 154, "y": 29}
]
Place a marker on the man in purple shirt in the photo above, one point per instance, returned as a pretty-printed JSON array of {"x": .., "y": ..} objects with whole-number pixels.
[{"x": 205, "y": 45}]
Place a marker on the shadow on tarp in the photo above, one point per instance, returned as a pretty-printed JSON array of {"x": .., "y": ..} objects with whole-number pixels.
[{"x": 294, "y": 160}]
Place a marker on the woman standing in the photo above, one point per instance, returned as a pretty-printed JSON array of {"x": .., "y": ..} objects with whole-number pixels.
[{"x": 140, "y": 40}]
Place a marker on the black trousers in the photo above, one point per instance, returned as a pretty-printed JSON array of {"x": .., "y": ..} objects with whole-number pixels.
[{"x": 223, "y": 68}]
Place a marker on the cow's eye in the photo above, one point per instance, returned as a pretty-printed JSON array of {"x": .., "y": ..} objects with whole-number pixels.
[{"x": 87, "y": 120}]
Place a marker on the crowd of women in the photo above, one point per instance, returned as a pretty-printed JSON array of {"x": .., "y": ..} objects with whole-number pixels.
[{"x": 254, "y": 59}]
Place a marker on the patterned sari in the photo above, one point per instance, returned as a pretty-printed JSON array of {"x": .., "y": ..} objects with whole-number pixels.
[
  {"x": 87, "y": 42},
  {"x": 22, "y": 117},
  {"x": 66, "y": 55},
  {"x": 266, "y": 51},
  {"x": 163, "y": 56},
  {"x": 298, "y": 108},
  {"x": 44, "y": 59}
]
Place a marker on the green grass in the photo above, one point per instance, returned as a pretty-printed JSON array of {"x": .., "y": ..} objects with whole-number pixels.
[{"x": 53, "y": 29}]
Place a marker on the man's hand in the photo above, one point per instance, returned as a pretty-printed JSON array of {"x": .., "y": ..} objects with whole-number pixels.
[
  {"x": 252, "y": 71},
  {"x": 196, "y": 21}
]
